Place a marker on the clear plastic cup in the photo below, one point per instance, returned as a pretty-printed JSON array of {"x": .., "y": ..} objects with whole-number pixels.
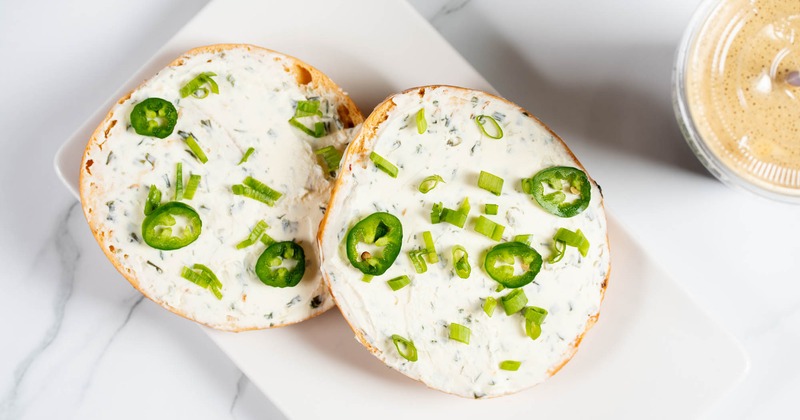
[{"x": 736, "y": 93}]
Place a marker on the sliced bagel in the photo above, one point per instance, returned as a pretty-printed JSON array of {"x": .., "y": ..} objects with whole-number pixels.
[
  {"x": 435, "y": 310},
  {"x": 231, "y": 110}
]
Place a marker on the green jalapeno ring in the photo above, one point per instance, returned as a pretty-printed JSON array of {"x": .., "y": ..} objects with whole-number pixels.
[
  {"x": 554, "y": 202},
  {"x": 506, "y": 254},
  {"x": 381, "y": 229},
  {"x": 273, "y": 256},
  {"x": 154, "y": 117},
  {"x": 157, "y": 226}
]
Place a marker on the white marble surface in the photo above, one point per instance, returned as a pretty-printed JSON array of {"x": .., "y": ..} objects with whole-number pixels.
[{"x": 79, "y": 342}]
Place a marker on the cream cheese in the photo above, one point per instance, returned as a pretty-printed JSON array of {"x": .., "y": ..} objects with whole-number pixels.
[
  {"x": 257, "y": 96},
  {"x": 454, "y": 148}
]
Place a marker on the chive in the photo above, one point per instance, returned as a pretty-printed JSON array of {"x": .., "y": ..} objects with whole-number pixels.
[
  {"x": 534, "y": 316},
  {"x": 247, "y": 155},
  {"x": 511, "y": 365},
  {"x": 405, "y": 347},
  {"x": 331, "y": 156},
  {"x": 489, "y": 228},
  {"x": 460, "y": 262},
  {"x": 191, "y": 186},
  {"x": 490, "y": 182},
  {"x": 256, "y": 233},
  {"x": 490, "y": 209},
  {"x": 459, "y": 333},
  {"x": 179, "y": 181},
  {"x": 367, "y": 278},
  {"x": 436, "y": 213},
  {"x": 418, "y": 262},
  {"x": 429, "y": 247},
  {"x": 317, "y": 132},
  {"x": 489, "y": 305},
  {"x": 429, "y": 183},
  {"x": 153, "y": 200},
  {"x": 383, "y": 164},
  {"x": 195, "y": 148},
  {"x": 196, "y": 85},
  {"x": 307, "y": 109},
  {"x": 398, "y": 283},
  {"x": 514, "y": 301},
  {"x": 422, "y": 125},
  {"x": 481, "y": 120},
  {"x": 569, "y": 238},
  {"x": 525, "y": 239}
]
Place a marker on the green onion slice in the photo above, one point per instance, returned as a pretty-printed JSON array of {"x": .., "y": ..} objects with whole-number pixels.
[
  {"x": 196, "y": 87},
  {"x": 318, "y": 131},
  {"x": 202, "y": 276},
  {"x": 490, "y": 182},
  {"x": 489, "y": 305},
  {"x": 481, "y": 120},
  {"x": 257, "y": 190},
  {"x": 331, "y": 156},
  {"x": 436, "y": 213},
  {"x": 454, "y": 217},
  {"x": 525, "y": 239},
  {"x": 489, "y": 228},
  {"x": 459, "y": 333},
  {"x": 559, "y": 249},
  {"x": 383, "y": 164},
  {"x": 179, "y": 181},
  {"x": 422, "y": 125},
  {"x": 153, "y": 200},
  {"x": 460, "y": 262},
  {"x": 267, "y": 240},
  {"x": 490, "y": 209},
  {"x": 256, "y": 233},
  {"x": 398, "y": 283},
  {"x": 430, "y": 249},
  {"x": 405, "y": 347},
  {"x": 191, "y": 186},
  {"x": 247, "y": 154},
  {"x": 574, "y": 239},
  {"x": 514, "y": 301},
  {"x": 429, "y": 183},
  {"x": 418, "y": 261},
  {"x": 195, "y": 148},
  {"x": 511, "y": 365},
  {"x": 367, "y": 278},
  {"x": 307, "y": 109},
  {"x": 534, "y": 316}
]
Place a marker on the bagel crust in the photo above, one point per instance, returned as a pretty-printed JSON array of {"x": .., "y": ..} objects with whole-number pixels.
[
  {"x": 454, "y": 147},
  {"x": 258, "y": 92}
]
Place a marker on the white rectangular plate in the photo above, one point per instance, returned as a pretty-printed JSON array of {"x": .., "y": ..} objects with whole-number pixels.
[{"x": 653, "y": 352}]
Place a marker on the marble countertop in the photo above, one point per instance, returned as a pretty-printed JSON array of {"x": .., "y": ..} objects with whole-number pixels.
[{"x": 81, "y": 343}]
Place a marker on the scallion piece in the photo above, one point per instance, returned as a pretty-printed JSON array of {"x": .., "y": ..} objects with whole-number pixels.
[
  {"x": 534, "y": 316},
  {"x": 256, "y": 233},
  {"x": 460, "y": 262},
  {"x": 422, "y": 125},
  {"x": 367, "y": 278},
  {"x": 429, "y": 183},
  {"x": 511, "y": 365},
  {"x": 179, "y": 182},
  {"x": 398, "y": 283},
  {"x": 191, "y": 186},
  {"x": 436, "y": 213},
  {"x": 405, "y": 348},
  {"x": 262, "y": 188},
  {"x": 317, "y": 132},
  {"x": 257, "y": 190},
  {"x": 575, "y": 239},
  {"x": 195, "y": 86},
  {"x": 267, "y": 240},
  {"x": 195, "y": 148},
  {"x": 514, "y": 301},
  {"x": 247, "y": 154},
  {"x": 464, "y": 207},
  {"x": 418, "y": 261},
  {"x": 490, "y": 209},
  {"x": 559, "y": 249},
  {"x": 307, "y": 109},
  {"x": 202, "y": 276},
  {"x": 459, "y": 333},
  {"x": 489, "y": 228},
  {"x": 153, "y": 200},
  {"x": 383, "y": 164},
  {"x": 489, "y": 305},
  {"x": 430, "y": 249},
  {"x": 331, "y": 156},
  {"x": 481, "y": 120},
  {"x": 453, "y": 217},
  {"x": 490, "y": 182},
  {"x": 499, "y": 288},
  {"x": 525, "y": 239}
]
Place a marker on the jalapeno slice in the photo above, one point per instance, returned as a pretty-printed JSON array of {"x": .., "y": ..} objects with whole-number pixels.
[
  {"x": 499, "y": 264},
  {"x": 561, "y": 179},
  {"x": 380, "y": 229},
  {"x": 157, "y": 227},
  {"x": 154, "y": 117},
  {"x": 269, "y": 265}
]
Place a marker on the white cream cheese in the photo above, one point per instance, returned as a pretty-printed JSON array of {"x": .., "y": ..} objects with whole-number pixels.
[
  {"x": 454, "y": 148},
  {"x": 257, "y": 96}
]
